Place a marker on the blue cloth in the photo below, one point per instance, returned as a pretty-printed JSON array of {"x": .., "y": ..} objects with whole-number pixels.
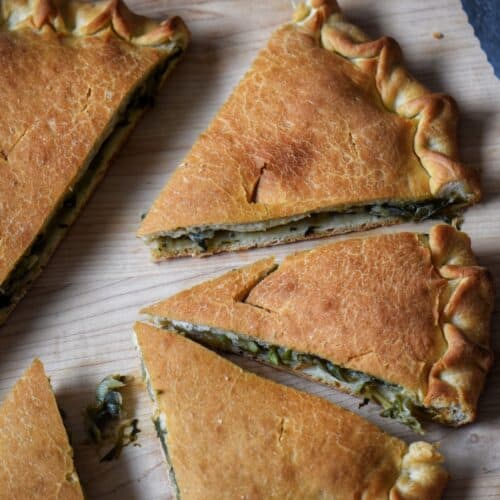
[{"x": 484, "y": 16}]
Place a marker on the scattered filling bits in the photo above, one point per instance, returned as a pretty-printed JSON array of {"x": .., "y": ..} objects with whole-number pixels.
[
  {"x": 105, "y": 422},
  {"x": 438, "y": 35}
]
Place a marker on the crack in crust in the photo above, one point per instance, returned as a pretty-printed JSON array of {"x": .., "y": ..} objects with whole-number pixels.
[
  {"x": 457, "y": 378},
  {"x": 97, "y": 18},
  {"x": 436, "y": 114}
]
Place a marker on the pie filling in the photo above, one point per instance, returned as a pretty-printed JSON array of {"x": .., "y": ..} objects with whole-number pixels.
[
  {"x": 30, "y": 265},
  {"x": 224, "y": 237},
  {"x": 397, "y": 402}
]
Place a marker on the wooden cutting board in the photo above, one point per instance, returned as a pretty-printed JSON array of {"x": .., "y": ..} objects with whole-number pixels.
[{"x": 78, "y": 317}]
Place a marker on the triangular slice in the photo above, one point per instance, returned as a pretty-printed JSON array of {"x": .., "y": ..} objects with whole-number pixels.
[
  {"x": 326, "y": 133},
  {"x": 402, "y": 319},
  {"x": 36, "y": 459},
  {"x": 228, "y": 433},
  {"x": 74, "y": 79}
]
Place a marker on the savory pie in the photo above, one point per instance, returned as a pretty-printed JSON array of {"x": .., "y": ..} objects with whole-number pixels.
[
  {"x": 326, "y": 133},
  {"x": 401, "y": 319},
  {"x": 36, "y": 459},
  {"x": 227, "y": 433},
  {"x": 74, "y": 79}
]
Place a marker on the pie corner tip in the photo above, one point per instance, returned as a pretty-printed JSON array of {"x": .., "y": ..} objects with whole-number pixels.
[
  {"x": 141, "y": 328},
  {"x": 36, "y": 365}
]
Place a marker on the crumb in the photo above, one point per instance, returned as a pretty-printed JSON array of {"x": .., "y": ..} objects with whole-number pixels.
[{"x": 438, "y": 35}]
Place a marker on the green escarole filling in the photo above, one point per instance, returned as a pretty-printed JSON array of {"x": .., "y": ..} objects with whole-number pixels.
[
  {"x": 397, "y": 403},
  {"x": 227, "y": 237},
  {"x": 64, "y": 215}
]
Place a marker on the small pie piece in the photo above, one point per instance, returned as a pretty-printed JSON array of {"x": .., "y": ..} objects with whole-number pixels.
[
  {"x": 401, "y": 319},
  {"x": 326, "y": 133},
  {"x": 74, "y": 79},
  {"x": 228, "y": 433},
  {"x": 36, "y": 459}
]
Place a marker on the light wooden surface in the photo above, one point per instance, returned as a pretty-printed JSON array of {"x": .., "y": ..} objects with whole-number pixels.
[{"x": 78, "y": 316}]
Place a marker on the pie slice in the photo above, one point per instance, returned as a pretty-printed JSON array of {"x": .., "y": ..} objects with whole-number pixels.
[
  {"x": 227, "y": 433},
  {"x": 401, "y": 319},
  {"x": 75, "y": 78},
  {"x": 36, "y": 459},
  {"x": 326, "y": 133}
]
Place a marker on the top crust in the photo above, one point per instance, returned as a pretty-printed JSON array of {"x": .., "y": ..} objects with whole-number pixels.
[
  {"x": 319, "y": 101},
  {"x": 390, "y": 306},
  {"x": 436, "y": 115},
  {"x": 35, "y": 455},
  {"x": 266, "y": 440},
  {"x": 67, "y": 69}
]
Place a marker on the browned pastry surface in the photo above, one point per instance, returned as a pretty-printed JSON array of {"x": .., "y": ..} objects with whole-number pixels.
[
  {"x": 406, "y": 309},
  {"x": 232, "y": 434},
  {"x": 66, "y": 69},
  {"x": 35, "y": 455},
  {"x": 323, "y": 119}
]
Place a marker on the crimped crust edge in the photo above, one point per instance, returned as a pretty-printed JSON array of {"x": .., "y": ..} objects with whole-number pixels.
[
  {"x": 421, "y": 474},
  {"x": 80, "y": 19},
  {"x": 436, "y": 114},
  {"x": 457, "y": 378}
]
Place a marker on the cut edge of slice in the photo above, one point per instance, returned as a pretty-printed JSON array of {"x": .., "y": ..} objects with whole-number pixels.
[
  {"x": 159, "y": 419},
  {"x": 218, "y": 238},
  {"x": 396, "y": 402}
]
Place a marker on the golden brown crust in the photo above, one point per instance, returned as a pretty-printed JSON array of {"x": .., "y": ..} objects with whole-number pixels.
[
  {"x": 56, "y": 117},
  {"x": 85, "y": 19},
  {"x": 435, "y": 141},
  {"x": 35, "y": 454},
  {"x": 421, "y": 476},
  {"x": 374, "y": 305},
  {"x": 266, "y": 440},
  {"x": 367, "y": 304},
  {"x": 457, "y": 378},
  {"x": 270, "y": 154}
]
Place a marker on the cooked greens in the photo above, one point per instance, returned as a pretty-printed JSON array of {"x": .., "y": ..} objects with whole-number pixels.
[
  {"x": 29, "y": 266},
  {"x": 231, "y": 237},
  {"x": 397, "y": 403},
  {"x": 104, "y": 420}
]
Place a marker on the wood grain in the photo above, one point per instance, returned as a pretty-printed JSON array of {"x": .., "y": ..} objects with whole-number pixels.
[{"x": 78, "y": 316}]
